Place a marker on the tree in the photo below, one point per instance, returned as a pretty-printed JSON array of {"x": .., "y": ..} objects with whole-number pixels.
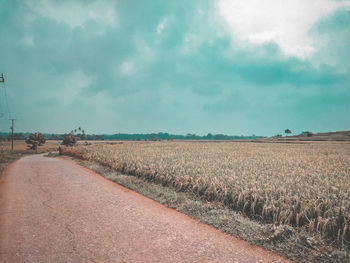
[
  {"x": 69, "y": 140},
  {"x": 34, "y": 140},
  {"x": 18, "y": 136},
  {"x": 83, "y": 135},
  {"x": 99, "y": 137},
  {"x": 309, "y": 134},
  {"x": 287, "y": 131},
  {"x": 153, "y": 137}
]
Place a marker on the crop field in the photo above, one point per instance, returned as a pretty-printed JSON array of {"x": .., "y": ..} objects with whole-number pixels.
[
  {"x": 303, "y": 185},
  {"x": 21, "y": 147}
]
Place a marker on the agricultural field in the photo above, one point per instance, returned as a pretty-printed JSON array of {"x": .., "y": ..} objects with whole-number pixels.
[
  {"x": 20, "y": 148},
  {"x": 302, "y": 185}
]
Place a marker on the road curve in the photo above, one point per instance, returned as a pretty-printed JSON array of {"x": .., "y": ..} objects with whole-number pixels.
[{"x": 53, "y": 210}]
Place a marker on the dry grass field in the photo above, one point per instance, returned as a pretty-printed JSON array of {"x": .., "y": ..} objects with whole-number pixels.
[
  {"x": 304, "y": 185},
  {"x": 20, "y": 148}
]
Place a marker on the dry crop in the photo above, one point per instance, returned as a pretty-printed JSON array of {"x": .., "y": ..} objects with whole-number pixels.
[{"x": 305, "y": 185}]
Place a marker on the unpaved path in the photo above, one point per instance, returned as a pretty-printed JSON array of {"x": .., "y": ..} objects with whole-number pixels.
[{"x": 53, "y": 210}]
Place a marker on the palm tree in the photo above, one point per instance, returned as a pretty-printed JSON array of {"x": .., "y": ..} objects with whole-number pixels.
[{"x": 287, "y": 131}]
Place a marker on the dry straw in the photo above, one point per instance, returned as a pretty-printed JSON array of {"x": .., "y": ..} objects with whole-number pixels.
[{"x": 305, "y": 185}]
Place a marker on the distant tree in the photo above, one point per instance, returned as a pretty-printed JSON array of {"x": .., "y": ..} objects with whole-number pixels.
[
  {"x": 309, "y": 134},
  {"x": 191, "y": 136},
  {"x": 99, "y": 137},
  {"x": 287, "y": 131},
  {"x": 220, "y": 137},
  {"x": 83, "y": 136},
  {"x": 153, "y": 137},
  {"x": 69, "y": 140},
  {"x": 34, "y": 140},
  {"x": 18, "y": 136}
]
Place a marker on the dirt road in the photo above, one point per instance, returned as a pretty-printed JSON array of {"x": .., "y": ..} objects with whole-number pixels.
[{"x": 53, "y": 210}]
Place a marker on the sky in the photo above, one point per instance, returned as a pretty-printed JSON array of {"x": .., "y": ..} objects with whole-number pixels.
[{"x": 210, "y": 66}]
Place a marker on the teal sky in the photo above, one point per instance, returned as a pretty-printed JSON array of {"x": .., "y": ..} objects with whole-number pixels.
[{"x": 227, "y": 66}]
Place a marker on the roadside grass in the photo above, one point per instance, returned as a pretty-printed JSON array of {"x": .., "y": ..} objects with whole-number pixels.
[{"x": 294, "y": 243}]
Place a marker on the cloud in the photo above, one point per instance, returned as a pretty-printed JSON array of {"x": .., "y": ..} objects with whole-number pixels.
[
  {"x": 334, "y": 43},
  {"x": 283, "y": 22},
  {"x": 28, "y": 41},
  {"x": 74, "y": 13},
  {"x": 127, "y": 68},
  {"x": 190, "y": 76},
  {"x": 190, "y": 43},
  {"x": 162, "y": 25}
]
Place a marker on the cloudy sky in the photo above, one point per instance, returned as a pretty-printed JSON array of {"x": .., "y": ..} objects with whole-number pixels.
[{"x": 225, "y": 66}]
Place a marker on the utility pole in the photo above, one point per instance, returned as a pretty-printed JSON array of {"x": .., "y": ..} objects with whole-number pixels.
[
  {"x": 2, "y": 79},
  {"x": 12, "y": 127}
]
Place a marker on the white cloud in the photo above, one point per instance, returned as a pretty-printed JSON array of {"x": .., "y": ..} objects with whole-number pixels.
[
  {"x": 143, "y": 50},
  {"x": 73, "y": 84},
  {"x": 74, "y": 13},
  {"x": 190, "y": 43},
  {"x": 127, "y": 68},
  {"x": 162, "y": 25},
  {"x": 284, "y": 22}
]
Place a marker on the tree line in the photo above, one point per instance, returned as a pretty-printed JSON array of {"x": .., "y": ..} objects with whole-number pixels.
[{"x": 81, "y": 135}]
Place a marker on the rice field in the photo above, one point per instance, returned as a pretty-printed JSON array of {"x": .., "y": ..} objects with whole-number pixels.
[{"x": 303, "y": 185}]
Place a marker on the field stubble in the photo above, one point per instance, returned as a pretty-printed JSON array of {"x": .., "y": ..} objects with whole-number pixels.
[{"x": 304, "y": 185}]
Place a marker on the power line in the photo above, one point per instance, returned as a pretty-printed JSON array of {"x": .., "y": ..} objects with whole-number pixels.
[
  {"x": 2, "y": 79},
  {"x": 7, "y": 102},
  {"x": 1, "y": 109}
]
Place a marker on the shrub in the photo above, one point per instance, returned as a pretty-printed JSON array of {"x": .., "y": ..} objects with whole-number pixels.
[
  {"x": 309, "y": 134},
  {"x": 69, "y": 140},
  {"x": 34, "y": 140}
]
